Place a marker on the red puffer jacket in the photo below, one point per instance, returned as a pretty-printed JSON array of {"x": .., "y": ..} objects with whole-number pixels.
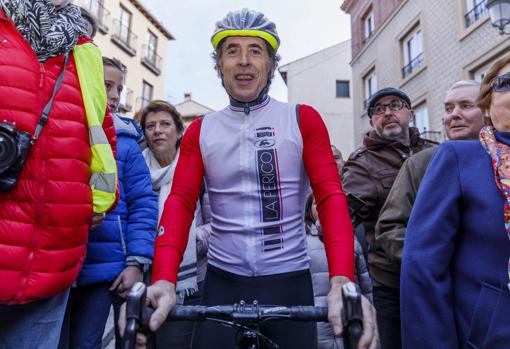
[{"x": 45, "y": 220}]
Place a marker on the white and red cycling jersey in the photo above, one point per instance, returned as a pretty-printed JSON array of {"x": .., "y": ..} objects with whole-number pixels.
[{"x": 257, "y": 168}]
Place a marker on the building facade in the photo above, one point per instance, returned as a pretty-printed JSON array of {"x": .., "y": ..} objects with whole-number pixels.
[
  {"x": 128, "y": 32},
  {"x": 191, "y": 109},
  {"x": 324, "y": 81},
  {"x": 421, "y": 47}
]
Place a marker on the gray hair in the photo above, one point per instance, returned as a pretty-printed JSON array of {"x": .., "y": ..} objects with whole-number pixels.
[{"x": 463, "y": 83}]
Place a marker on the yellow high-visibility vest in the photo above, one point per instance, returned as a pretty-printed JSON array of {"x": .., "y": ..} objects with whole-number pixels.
[{"x": 103, "y": 181}]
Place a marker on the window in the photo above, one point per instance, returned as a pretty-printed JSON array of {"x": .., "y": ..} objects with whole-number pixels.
[
  {"x": 150, "y": 58},
  {"x": 126, "y": 100},
  {"x": 147, "y": 90},
  {"x": 412, "y": 49},
  {"x": 421, "y": 118},
  {"x": 98, "y": 11},
  {"x": 342, "y": 89},
  {"x": 124, "y": 25},
  {"x": 370, "y": 86},
  {"x": 152, "y": 47},
  {"x": 369, "y": 25},
  {"x": 479, "y": 73},
  {"x": 122, "y": 34},
  {"x": 94, "y": 7},
  {"x": 475, "y": 9}
]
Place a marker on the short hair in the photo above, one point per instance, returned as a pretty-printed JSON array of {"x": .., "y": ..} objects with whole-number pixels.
[
  {"x": 89, "y": 18},
  {"x": 115, "y": 63},
  {"x": 485, "y": 97},
  {"x": 158, "y": 105},
  {"x": 463, "y": 83}
]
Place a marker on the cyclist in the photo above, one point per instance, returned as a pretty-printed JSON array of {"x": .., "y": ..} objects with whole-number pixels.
[{"x": 258, "y": 156}]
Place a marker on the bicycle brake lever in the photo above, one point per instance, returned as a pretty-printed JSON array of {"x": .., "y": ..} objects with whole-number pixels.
[
  {"x": 352, "y": 315},
  {"x": 137, "y": 314}
]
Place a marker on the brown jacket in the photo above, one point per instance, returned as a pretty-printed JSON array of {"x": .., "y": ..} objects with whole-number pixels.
[{"x": 369, "y": 174}]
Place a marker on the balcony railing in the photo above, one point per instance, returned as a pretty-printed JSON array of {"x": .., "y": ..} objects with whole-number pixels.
[
  {"x": 151, "y": 59},
  {"x": 476, "y": 13},
  {"x": 436, "y": 136},
  {"x": 415, "y": 63},
  {"x": 100, "y": 14},
  {"x": 124, "y": 37},
  {"x": 126, "y": 100}
]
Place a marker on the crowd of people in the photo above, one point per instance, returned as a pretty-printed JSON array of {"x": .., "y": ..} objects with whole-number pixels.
[{"x": 251, "y": 202}]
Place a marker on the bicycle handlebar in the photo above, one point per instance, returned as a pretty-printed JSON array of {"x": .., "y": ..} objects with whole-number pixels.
[
  {"x": 243, "y": 312},
  {"x": 138, "y": 314}
]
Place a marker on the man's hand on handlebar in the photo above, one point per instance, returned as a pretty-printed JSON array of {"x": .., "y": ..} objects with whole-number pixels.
[
  {"x": 370, "y": 336},
  {"x": 160, "y": 296}
]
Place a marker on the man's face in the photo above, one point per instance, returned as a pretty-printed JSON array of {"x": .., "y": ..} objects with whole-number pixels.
[
  {"x": 392, "y": 123},
  {"x": 245, "y": 65},
  {"x": 463, "y": 119}
]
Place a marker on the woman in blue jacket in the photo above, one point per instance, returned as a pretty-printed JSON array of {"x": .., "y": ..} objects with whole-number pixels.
[
  {"x": 455, "y": 282},
  {"x": 122, "y": 246}
]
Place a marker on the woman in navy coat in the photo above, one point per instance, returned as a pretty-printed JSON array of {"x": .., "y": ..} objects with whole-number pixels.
[{"x": 455, "y": 269}]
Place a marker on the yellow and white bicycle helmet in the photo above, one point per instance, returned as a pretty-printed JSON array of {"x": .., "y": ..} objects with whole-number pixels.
[{"x": 246, "y": 22}]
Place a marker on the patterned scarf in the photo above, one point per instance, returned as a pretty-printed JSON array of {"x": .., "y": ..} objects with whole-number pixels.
[
  {"x": 500, "y": 155},
  {"x": 50, "y": 30}
]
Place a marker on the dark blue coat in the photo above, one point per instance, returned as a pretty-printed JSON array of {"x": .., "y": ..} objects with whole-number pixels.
[
  {"x": 128, "y": 232},
  {"x": 454, "y": 291}
]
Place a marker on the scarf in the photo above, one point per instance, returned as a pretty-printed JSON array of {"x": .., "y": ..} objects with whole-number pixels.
[
  {"x": 162, "y": 178},
  {"x": 50, "y": 30},
  {"x": 499, "y": 153}
]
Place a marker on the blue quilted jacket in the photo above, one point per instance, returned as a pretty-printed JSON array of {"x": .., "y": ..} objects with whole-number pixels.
[{"x": 128, "y": 233}]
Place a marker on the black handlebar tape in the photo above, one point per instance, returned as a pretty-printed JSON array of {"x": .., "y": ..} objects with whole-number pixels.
[
  {"x": 187, "y": 313},
  {"x": 309, "y": 313}
]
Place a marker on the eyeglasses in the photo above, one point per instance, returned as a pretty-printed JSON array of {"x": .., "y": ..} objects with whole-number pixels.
[
  {"x": 501, "y": 83},
  {"x": 395, "y": 105}
]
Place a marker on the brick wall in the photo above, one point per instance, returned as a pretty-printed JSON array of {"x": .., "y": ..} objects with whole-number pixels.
[{"x": 451, "y": 53}]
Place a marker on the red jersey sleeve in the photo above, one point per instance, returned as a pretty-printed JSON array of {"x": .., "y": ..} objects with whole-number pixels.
[
  {"x": 327, "y": 190},
  {"x": 179, "y": 207}
]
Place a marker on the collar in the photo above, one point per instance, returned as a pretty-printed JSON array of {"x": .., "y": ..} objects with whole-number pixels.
[
  {"x": 503, "y": 137},
  {"x": 247, "y": 108}
]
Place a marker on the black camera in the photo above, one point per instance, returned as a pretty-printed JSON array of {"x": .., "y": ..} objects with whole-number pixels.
[{"x": 14, "y": 149}]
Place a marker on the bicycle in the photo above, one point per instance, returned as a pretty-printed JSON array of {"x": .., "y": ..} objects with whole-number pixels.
[{"x": 245, "y": 317}]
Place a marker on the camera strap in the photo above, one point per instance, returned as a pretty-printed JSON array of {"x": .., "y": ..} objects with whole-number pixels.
[{"x": 47, "y": 108}]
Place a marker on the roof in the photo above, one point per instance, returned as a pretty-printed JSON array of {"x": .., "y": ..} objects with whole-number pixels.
[
  {"x": 152, "y": 19},
  {"x": 191, "y": 108},
  {"x": 347, "y": 5}
]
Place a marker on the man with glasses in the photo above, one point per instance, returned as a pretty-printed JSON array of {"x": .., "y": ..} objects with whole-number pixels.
[
  {"x": 462, "y": 121},
  {"x": 368, "y": 175}
]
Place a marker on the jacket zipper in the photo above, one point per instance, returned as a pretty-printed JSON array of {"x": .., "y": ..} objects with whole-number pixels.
[{"x": 123, "y": 243}]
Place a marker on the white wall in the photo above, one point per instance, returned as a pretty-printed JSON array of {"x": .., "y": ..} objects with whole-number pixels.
[{"x": 312, "y": 80}]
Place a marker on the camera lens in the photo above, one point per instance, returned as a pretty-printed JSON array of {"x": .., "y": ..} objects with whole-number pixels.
[{"x": 8, "y": 151}]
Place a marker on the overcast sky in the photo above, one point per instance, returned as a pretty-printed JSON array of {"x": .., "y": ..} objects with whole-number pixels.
[{"x": 304, "y": 27}]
